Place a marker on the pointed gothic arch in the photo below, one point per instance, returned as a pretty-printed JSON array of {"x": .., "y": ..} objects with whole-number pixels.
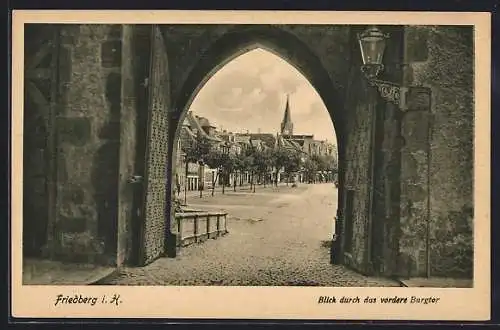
[{"x": 286, "y": 46}]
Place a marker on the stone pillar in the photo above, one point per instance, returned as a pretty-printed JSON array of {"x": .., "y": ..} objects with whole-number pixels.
[
  {"x": 88, "y": 124},
  {"x": 386, "y": 165}
]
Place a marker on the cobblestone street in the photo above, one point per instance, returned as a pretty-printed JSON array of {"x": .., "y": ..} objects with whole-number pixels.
[{"x": 276, "y": 237}]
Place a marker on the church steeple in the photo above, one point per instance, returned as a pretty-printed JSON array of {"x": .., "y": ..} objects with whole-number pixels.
[{"x": 286, "y": 124}]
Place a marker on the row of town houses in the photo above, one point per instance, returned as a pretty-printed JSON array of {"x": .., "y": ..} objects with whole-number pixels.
[{"x": 200, "y": 175}]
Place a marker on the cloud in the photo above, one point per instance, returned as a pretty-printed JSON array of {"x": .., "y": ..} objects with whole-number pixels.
[
  {"x": 281, "y": 77},
  {"x": 291, "y": 86},
  {"x": 316, "y": 108},
  {"x": 250, "y": 93},
  {"x": 236, "y": 92},
  {"x": 256, "y": 96}
]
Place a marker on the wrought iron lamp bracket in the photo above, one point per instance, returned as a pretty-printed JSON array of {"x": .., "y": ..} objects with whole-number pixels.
[{"x": 391, "y": 92}]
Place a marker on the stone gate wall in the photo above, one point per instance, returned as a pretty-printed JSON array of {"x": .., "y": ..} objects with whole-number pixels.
[
  {"x": 442, "y": 57},
  {"x": 40, "y": 56},
  {"x": 98, "y": 85},
  {"x": 88, "y": 122}
]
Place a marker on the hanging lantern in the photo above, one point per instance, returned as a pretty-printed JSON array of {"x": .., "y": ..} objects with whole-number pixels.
[{"x": 372, "y": 44}]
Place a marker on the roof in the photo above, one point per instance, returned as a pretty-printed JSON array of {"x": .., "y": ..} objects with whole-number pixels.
[
  {"x": 256, "y": 142},
  {"x": 195, "y": 124},
  {"x": 295, "y": 144},
  {"x": 267, "y": 138},
  {"x": 300, "y": 142},
  {"x": 203, "y": 121},
  {"x": 299, "y": 136},
  {"x": 186, "y": 135}
]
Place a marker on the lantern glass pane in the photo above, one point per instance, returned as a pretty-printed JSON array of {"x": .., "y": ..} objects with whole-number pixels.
[{"x": 372, "y": 50}]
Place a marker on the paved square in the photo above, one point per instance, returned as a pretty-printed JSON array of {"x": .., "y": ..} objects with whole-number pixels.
[{"x": 276, "y": 237}]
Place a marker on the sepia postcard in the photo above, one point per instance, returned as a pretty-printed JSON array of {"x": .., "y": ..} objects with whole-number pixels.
[{"x": 251, "y": 165}]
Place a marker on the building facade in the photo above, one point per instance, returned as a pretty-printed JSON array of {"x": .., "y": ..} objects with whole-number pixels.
[{"x": 200, "y": 176}]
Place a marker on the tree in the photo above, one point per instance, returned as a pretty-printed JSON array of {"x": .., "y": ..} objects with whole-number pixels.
[
  {"x": 326, "y": 163},
  {"x": 239, "y": 167},
  {"x": 292, "y": 164},
  {"x": 332, "y": 164},
  {"x": 224, "y": 162},
  {"x": 227, "y": 167},
  {"x": 262, "y": 163},
  {"x": 248, "y": 163},
  {"x": 215, "y": 159},
  {"x": 197, "y": 149},
  {"x": 195, "y": 152},
  {"x": 310, "y": 169},
  {"x": 279, "y": 159}
]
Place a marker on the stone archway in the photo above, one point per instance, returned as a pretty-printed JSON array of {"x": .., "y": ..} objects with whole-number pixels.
[
  {"x": 286, "y": 45},
  {"x": 159, "y": 84},
  {"x": 387, "y": 183}
]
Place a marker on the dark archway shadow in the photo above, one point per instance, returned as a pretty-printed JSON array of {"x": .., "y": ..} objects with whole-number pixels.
[{"x": 240, "y": 40}]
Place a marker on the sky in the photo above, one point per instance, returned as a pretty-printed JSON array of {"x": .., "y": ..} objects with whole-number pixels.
[{"x": 249, "y": 93}]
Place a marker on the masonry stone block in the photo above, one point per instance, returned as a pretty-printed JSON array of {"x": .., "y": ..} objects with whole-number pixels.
[
  {"x": 417, "y": 44},
  {"x": 71, "y": 224},
  {"x": 416, "y": 192},
  {"x": 69, "y": 33},
  {"x": 111, "y": 54},
  {"x": 419, "y": 98},
  {"x": 110, "y": 130},
  {"x": 35, "y": 162},
  {"x": 73, "y": 194},
  {"x": 67, "y": 39},
  {"x": 415, "y": 130},
  {"x": 409, "y": 168},
  {"x": 105, "y": 167},
  {"x": 115, "y": 31},
  {"x": 64, "y": 75},
  {"x": 75, "y": 131},
  {"x": 113, "y": 94}
]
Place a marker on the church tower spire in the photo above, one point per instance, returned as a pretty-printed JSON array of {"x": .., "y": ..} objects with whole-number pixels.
[{"x": 286, "y": 124}]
